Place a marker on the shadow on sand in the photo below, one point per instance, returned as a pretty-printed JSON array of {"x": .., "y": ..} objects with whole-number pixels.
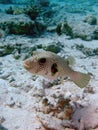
[{"x": 3, "y": 128}]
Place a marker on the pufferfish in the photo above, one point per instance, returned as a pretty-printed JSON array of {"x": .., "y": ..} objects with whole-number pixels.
[{"x": 52, "y": 66}]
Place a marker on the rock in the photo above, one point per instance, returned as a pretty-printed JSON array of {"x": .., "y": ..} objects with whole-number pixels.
[
  {"x": 90, "y": 19},
  {"x": 20, "y": 24},
  {"x": 17, "y": 50},
  {"x": 87, "y": 51},
  {"x": 53, "y": 47},
  {"x": 16, "y": 55},
  {"x": 2, "y": 33},
  {"x": 5, "y": 75},
  {"x": 81, "y": 117},
  {"x": 10, "y": 102},
  {"x": 6, "y": 49},
  {"x": 96, "y": 33},
  {"x": 14, "y": 10},
  {"x": 2, "y": 119},
  {"x": 17, "y": 11},
  {"x": 40, "y": 27},
  {"x": 51, "y": 28},
  {"x": 44, "y": 2},
  {"x": 17, "y": 24},
  {"x": 10, "y": 10},
  {"x": 5, "y": 1},
  {"x": 2, "y": 128},
  {"x": 32, "y": 11},
  {"x": 83, "y": 31},
  {"x": 64, "y": 28},
  {"x": 50, "y": 123}
]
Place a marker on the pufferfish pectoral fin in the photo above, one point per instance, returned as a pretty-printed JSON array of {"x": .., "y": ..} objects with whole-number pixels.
[
  {"x": 70, "y": 60},
  {"x": 80, "y": 79}
]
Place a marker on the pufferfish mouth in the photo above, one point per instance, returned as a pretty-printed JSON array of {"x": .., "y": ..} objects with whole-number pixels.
[{"x": 26, "y": 65}]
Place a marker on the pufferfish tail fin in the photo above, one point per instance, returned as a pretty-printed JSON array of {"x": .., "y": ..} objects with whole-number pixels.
[{"x": 80, "y": 79}]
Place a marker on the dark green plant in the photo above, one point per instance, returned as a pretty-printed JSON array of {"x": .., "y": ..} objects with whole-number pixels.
[
  {"x": 64, "y": 28},
  {"x": 32, "y": 11},
  {"x": 87, "y": 51},
  {"x": 96, "y": 33},
  {"x": 3, "y": 128},
  {"x": 10, "y": 10}
]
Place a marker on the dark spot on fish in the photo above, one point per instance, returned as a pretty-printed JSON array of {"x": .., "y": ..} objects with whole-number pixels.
[
  {"x": 42, "y": 61},
  {"x": 54, "y": 69},
  {"x": 79, "y": 120}
]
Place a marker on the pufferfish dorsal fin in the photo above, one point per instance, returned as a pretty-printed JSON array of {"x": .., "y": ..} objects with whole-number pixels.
[
  {"x": 37, "y": 52},
  {"x": 70, "y": 60}
]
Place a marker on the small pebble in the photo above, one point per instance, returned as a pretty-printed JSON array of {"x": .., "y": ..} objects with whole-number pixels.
[
  {"x": 18, "y": 104},
  {"x": 5, "y": 76},
  {"x": 45, "y": 102},
  {"x": 2, "y": 119},
  {"x": 10, "y": 102},
  {"x": 89, "y": 89}
]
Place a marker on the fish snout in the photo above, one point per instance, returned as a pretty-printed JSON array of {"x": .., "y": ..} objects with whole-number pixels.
[{"x": 26, "y": 65}]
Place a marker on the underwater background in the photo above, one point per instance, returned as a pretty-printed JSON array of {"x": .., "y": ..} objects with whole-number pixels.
[{"x": 67, "y": 28}]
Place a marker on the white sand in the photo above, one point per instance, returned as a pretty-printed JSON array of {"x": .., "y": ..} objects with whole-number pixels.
[{"x": 21, "y": 96}]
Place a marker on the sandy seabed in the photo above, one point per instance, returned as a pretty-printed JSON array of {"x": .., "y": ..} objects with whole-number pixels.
[{"x": 22, "y": 94}]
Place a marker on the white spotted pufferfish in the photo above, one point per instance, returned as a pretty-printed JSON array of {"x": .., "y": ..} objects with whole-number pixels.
[{"x": 52, "y": 66}]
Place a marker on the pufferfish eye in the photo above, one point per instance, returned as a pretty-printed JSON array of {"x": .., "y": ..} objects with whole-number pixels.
[{"x": 42, "y": 61}]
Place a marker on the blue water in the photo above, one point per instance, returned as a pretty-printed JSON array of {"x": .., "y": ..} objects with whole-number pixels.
[
  {"x": 71, "y": 6},
  {"x": 63, "y": 9}
]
